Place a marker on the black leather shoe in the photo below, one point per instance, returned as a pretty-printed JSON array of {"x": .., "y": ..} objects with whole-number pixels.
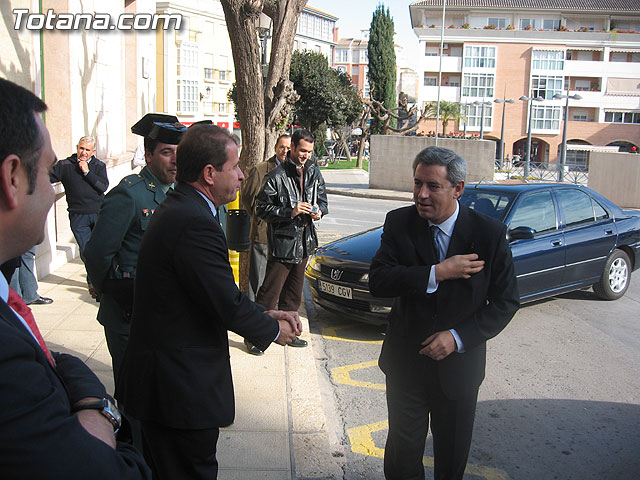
[
  {"x": 298, "y": 342},
  {"x": 41, "y": 301},
  {"x": 252, "y": 349}
]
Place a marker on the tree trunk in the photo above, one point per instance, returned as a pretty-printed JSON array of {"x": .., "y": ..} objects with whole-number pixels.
[{"x": 262, "y": 112}]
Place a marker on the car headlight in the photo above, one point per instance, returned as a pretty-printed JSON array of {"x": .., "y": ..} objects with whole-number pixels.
[
  {"x": 365, "y": 278},
  {"x": 313, "y": 264}
]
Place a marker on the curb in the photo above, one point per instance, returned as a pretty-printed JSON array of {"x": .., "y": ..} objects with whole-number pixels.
[
  {"x": 311, "y": 451},
  {"x": 379, "y": 195}
]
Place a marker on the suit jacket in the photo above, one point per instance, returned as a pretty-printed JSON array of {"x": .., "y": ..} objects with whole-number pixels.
[
  {"x": 477, "y": 308},
  {"x": 250, "y": 189},
  {"x": 115, "y": 240},
  {"x": 176, "y": 369},
  {"x": 39, "y": 436}
]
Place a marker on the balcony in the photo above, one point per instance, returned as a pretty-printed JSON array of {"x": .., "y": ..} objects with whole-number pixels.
[
  {"x": 449, "y": 64},
  {"x": 430, "y": 94}
]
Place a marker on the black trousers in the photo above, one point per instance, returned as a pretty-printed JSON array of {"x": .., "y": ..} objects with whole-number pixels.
[
  {"x": 175, "y": 454},
  {"x": 412, "y": 404}
]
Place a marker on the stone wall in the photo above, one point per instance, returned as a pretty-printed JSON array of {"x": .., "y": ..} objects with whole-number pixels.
[
  {"x": 617, "y": 177},
  {"x": 392, "y": 157}
]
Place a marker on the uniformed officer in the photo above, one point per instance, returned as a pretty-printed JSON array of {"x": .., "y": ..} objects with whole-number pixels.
[{"x": 112, "y": 252}]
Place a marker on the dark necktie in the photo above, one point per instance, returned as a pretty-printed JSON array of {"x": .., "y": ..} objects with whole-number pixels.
[
  {"x": 437, "y": 243},
  {"x": 301, "y": 171},
  {"x": 25, "y": 312}
]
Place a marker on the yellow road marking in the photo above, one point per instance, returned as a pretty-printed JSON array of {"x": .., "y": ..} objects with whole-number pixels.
[
  {"x": 343, "y": 375},
  {"x": 331, "y": 333},
  {"x": 362, "y": 442}
]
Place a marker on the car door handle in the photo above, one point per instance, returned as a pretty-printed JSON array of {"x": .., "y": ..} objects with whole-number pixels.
[
  {"x": 556, "y": 243},
  {"x": 608, "y": 232}
]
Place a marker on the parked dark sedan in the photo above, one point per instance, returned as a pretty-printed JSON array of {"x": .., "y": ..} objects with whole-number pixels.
[{"x": 563, "y": 238}]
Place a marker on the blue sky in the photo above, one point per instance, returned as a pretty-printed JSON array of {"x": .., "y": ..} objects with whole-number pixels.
[{"x": 355, "y": 15}]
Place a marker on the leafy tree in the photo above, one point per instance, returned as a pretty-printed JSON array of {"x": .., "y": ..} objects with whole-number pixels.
[
  {"x": 327, "y": 97},
  {"x": 382, "y": 63}
]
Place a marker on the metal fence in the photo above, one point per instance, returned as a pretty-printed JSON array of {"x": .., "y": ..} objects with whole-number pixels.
[{"x": 547, "y": 172}]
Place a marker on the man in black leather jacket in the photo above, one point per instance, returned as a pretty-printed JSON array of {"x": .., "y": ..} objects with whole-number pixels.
[{"x": 293, "y": 196}]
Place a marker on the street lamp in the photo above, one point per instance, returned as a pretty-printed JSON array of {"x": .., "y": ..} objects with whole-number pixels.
[
  {"x": 528, "y": 150},
  {"x": 483, "y": 103},
  {"x": 504, "y": 109},
  {"x": 563, "y": 150},
  {"x": 263, "y": 28}
]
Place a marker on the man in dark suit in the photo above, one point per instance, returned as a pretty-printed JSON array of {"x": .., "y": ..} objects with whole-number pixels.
[
  {"x": 452, "y": 274},
  {"x": 176, "y": 374},
  {"x": 56, "y": 420}
]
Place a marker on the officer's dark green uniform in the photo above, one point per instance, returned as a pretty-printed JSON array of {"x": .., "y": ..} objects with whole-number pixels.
[{"x": 112, "y": 250}]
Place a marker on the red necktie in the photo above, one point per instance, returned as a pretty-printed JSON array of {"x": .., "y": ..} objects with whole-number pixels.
[{"x": 25, "y": 312}]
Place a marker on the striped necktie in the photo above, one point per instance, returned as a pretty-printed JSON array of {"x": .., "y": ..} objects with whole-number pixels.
[{"x": 437, "y": 242}]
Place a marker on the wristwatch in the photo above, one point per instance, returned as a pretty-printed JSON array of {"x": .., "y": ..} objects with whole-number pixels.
[{"x": 107, "y": 408}]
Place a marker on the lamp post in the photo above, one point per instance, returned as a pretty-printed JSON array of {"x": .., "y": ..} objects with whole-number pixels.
[
  {"x": 528, "y": 150},
  {"x": 466, "y": 117},
  {"x": 263, "y": 28},
  {"x": 563, "y": 150},
  {"x": 504, "y": 109},
  {"x": 483, "y": 103}
]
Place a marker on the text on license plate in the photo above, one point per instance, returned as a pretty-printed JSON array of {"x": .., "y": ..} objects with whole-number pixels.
[{"x": 337, "y": 290}]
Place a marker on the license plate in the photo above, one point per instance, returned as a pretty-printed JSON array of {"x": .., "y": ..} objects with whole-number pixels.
[{"x": 337, "y": 290}]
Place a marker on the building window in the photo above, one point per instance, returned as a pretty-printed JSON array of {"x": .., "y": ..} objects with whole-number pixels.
[
  {"x": 580, "y": 115},
  {"x": 208, "y": 66},
  {"x": 474, "y": 112},
  {"x": 325, "y": 30},
  {"x": 431, "y": 51},
  {"x": 187, "y": 82},
  {"x": 480, "y": 57},
  {"x": 355, "y": 70},
  {"x": 550, "y": 24},
  {"x": 528, "y": 23},
  {"x": 187, "y": 96},
  {"x": 342, "y": 55},
  {"x": 548, "y": 60},
  {"x": 546, "y": 87},
  {"x": 497, "y": 22},
  {"x": 222, "y": 107},
  {"x": 430, "y": 80},
  {"x": 618, "y": 57},
  {"x": 622, "y": 117},
  {"x": 477, "y": 85},
  {"x": 454, "y": 81},
  {"x": 302, "y": 24},
  {"x": 355, "y": 56},
  {"x": 546, "y": 117}
]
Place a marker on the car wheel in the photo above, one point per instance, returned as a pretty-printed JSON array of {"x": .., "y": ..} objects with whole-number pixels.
[{"x": 615, "y": 277}]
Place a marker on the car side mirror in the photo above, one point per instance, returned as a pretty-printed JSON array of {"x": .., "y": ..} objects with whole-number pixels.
[{"x": 520, "y": 233}]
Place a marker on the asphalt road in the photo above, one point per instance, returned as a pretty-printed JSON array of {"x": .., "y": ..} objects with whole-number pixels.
[{"x": 561, "y": 399}]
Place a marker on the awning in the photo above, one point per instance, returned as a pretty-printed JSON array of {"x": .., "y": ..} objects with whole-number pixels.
[
  {"x": 591, "y": 148},
  {"x": 626, "y": 50},
  {"x": 586, "y": 49}
]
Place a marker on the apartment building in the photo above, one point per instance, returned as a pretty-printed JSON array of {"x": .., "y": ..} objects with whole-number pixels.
[
  {"x": 352, "y": 57},
  {"x": 507, "y": 49},
  {"x": 316, "y": 32},
  {"x": 194, "y": 69}
]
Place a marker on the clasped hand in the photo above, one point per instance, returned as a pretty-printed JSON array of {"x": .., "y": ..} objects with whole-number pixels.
[
  {"x": 439, "y": 345},
  {"x": 290, "y": 325},
  {"x": 305, "y": 207},
  {"x": 458, "y": 266}
]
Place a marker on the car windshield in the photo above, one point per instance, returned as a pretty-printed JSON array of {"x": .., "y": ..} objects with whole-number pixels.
[{"x": 491, "y": 203}]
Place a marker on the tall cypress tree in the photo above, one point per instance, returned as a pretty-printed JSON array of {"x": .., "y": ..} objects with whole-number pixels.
[{"x": 382, "y": 62}]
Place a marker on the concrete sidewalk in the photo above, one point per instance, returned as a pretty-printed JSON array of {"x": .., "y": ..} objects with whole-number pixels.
[
  {"x": 280, "y": 430},
  {"x": 354, "y": 182}
]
